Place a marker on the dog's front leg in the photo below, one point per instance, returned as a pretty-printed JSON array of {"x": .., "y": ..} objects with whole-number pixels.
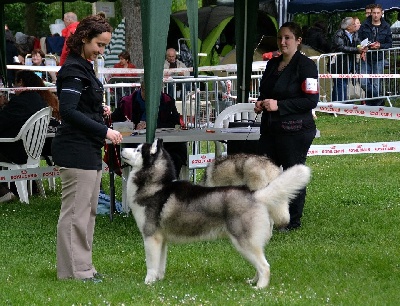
[
  {"x": 153, "y": 249},
  {"x": 163, "y": 260}
]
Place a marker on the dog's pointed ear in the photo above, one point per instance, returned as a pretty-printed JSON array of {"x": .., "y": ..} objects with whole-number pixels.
[
  {"x": 158, "y": 143},
  {"x": 153, "y": 148}
]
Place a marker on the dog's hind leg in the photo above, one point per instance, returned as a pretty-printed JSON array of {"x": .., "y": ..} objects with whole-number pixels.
[
  {"x": 255, "y": 255},
  {"x": 153, "y": 246}
]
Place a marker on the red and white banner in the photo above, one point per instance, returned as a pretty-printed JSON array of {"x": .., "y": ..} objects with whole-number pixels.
[
  {"x": 359, "y": 76},
  {"x": 28, "y": 174},
  {"x": 359, "y": 110},
  {"x": 33, "y": 173},
  {"x": 354, "y": 148}
]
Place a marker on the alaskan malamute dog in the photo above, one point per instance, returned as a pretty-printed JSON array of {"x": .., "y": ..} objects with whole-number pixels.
[
  {"x": 254, "y": 171},
  {"x": 169, "y": 210}
]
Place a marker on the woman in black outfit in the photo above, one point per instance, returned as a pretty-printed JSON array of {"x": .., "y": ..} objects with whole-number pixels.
[
  {"x": 288, "y": 93},
  {"x": 76, "y": 148}
]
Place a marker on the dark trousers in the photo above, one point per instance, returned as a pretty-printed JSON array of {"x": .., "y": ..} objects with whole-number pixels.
[{"x": 287, "y": 150}]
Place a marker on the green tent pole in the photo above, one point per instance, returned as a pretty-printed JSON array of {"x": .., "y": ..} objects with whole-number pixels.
[
  {"x": 193, "y": 19},
  {"x": 246, "y": 13},
  {"x": 3, "y": 58},
  {"x": 155, "y": 23}
]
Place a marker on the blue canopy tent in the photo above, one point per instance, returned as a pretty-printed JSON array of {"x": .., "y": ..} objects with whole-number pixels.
[{"x": 317, "y": 6}]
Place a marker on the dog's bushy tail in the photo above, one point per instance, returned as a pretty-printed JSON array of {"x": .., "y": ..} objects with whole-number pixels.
[{"x": 281, "y": 190}]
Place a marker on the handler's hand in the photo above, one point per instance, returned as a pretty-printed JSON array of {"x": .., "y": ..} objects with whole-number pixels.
[
  {"x": 106, "y": 110},
  {"x": 258, "y": 107},
  {"x": 114, "y": 136},
  {"x": 270, "y": 105}
]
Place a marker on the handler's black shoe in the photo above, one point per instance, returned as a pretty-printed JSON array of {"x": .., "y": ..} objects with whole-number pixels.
[
  {"x": 93, "y": 279},
  {"x": 98, "y": 275},
  {"x": 289, "y": 227}
]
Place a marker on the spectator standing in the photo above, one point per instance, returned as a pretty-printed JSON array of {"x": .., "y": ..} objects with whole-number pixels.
[
  {"x": 344, "y": 41},
  {"x": 13, "y": 116},
  {"x": 368, "y": 10},
  {"x": 357, "y": 23},
  {"x": 133, "y": 108},
  {"x": 76, "y": 148},
  {"x": 288, "y": 93},
  {"x": 71, "y": 23},
  {"x": 378, "y": 32},
  {"x": 38, "y": 59}
]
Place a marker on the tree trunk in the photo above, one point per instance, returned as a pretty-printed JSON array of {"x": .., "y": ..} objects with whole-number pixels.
[
  {"x": 133, "y": 30},
  {"x": 30, "y": 19}
]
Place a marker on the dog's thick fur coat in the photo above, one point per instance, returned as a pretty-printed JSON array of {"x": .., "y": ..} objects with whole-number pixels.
[
  {"x": 254, "y": 171},
  {"x": 179, "y": 211}
]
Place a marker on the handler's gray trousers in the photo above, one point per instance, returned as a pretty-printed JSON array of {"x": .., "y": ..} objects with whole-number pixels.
[{"x": 80, "y": 193}]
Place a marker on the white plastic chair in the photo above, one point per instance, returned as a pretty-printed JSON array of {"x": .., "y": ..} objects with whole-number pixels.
[
  {"x": 33, "y": 135},
  {"x": 237, "y": 112}
]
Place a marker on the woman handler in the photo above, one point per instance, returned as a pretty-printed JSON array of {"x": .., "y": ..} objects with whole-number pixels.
[
  {"x": 288, "y": 93},
  {"x": 76, "y": 148}
]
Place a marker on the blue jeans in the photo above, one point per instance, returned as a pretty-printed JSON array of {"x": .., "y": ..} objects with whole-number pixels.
[
  {"x": 372, "y": 87},
  {"x": 339, "y": 92}
]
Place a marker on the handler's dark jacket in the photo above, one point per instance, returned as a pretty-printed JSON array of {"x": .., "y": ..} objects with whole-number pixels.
[
  {"x": 12, "y": 117},
  {"x": 295, "y": 106},
  {"x": 383, "y": 34},
  {"x": 341, "y": 43},
  {"x": 81, "y": 135}
]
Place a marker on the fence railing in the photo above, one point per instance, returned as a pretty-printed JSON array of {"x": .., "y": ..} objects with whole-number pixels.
[
  {"x": 350, "y": 78},
  {"x": 344, "y": 78}
]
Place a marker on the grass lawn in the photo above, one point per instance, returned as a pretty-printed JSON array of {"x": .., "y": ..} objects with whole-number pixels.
[{"x": 346, "y": 252}]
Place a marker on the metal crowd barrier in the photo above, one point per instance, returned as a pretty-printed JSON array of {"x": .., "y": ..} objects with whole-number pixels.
[{"x": 381, "y": 82}]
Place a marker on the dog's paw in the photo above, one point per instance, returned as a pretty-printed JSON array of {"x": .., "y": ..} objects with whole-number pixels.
[
  {"x": 160, "y": 276},
  {"x": 150, "y": 278},
  {"x": 253, "y": 281},
  {"x": 262, "y": 282}
]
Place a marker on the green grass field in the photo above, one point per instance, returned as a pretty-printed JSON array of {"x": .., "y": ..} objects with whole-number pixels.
[{"x": 346, "y": 252}]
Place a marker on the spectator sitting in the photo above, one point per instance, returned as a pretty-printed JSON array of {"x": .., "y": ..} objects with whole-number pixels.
[
  {"x": 13, "y": 116},
  {"x": 124, "y": 62},
  {"x": 172, "y": 62},
  {"x": 133, "y": 108},
  {"x": 38, "y": 59}
]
